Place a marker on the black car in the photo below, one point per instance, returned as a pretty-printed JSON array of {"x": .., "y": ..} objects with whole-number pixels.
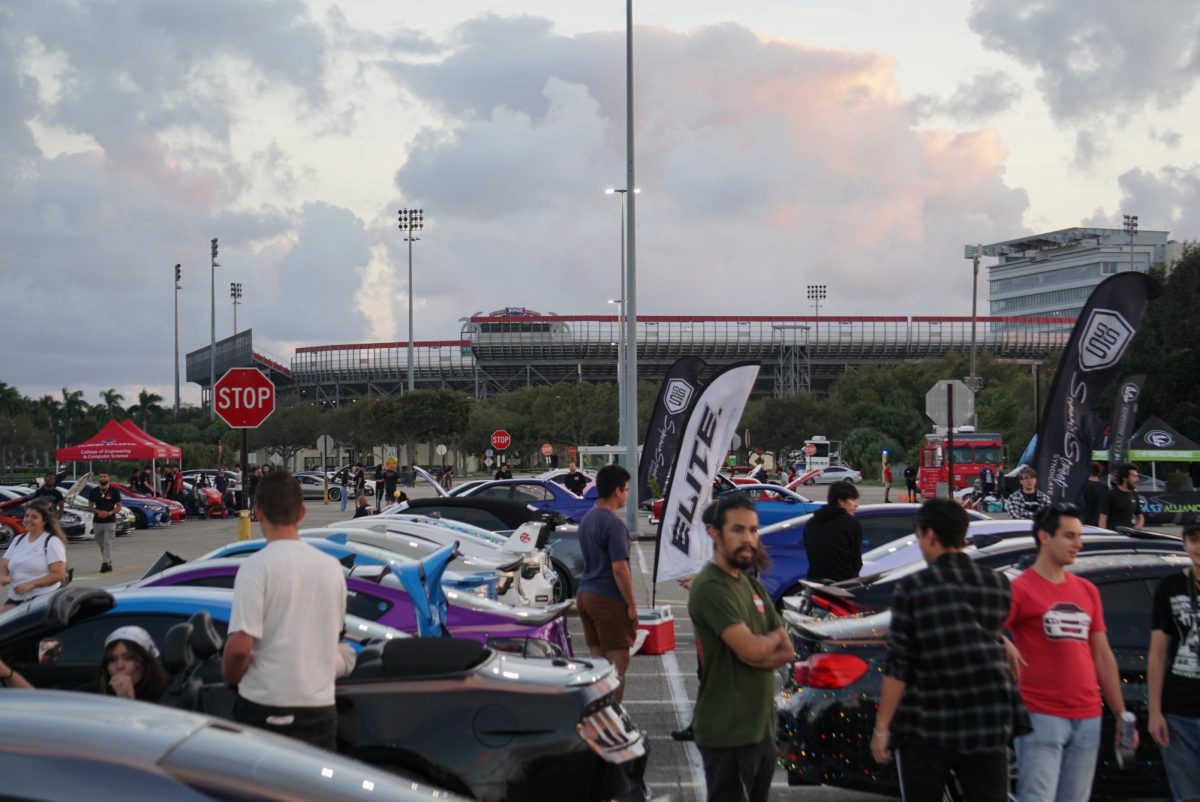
[
  {"x": 991, "y": 544},
  {"x": 57, "y": 746},
  {"x": 500, "y": 515},
  {"x": 487, "y": 724},
  {"x": 826, "y": 711}
]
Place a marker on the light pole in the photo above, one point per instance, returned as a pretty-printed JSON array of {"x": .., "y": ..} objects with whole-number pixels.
[
  {"x": 974, "y": 310},
  {"x": 816, "y": 294},
  {"x": 630, "y": 294},
  {"x": 620, "y": 343},
  {"x": 178, "y": 287},
  {"x": 1131, "y": 226},
  {"x": 235, "y": 293},
  {"x": 411, "y": 220},
  {"x": 212, "y": 347}
]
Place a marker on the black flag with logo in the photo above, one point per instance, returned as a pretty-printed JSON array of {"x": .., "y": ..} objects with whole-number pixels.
[
  {"x": 1101, "y": 336},
  {"x": 1124, "y": 411},
  {"x": 675, "y": 399}
]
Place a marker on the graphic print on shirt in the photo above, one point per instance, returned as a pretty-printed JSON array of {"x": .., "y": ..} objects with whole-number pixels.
[
  {"x": 1066, "y": 621},
  {"x": 1187, "y": 657}
]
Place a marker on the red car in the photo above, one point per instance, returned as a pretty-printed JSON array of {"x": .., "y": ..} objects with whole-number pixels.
[
  {"x": 178, "y": 513},
  {"x": 10, "y": 527}
]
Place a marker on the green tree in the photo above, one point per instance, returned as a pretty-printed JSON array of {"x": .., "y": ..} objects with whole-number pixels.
[
  {"x": 148, "y": 406},
  {"x": 73, "y": 409},
  {"x": 295, "y": 425},
  {"x": 111, "y": 401},
  {"x": 11, "y": 400}
]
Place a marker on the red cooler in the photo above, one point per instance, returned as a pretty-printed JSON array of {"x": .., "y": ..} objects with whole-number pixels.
[{"x": 659, "y": 625}]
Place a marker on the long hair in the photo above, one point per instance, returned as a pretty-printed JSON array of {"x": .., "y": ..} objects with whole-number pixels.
[
  {"x": 154, "y": 678},
  {"x": 49, "y": 515}
]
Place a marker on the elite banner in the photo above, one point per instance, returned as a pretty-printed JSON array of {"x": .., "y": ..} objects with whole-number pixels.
[
  {"x": 683, "y": 545},
  {"x": 1101, "y": 336},
  {"x": 675, "y": 399},
  {"x": 1123, "y": 413}
]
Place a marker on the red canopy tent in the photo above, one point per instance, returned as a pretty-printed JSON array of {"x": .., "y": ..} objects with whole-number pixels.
[
  {"x": 114, "y": 442},
  {"x": 173, "y": 452}
]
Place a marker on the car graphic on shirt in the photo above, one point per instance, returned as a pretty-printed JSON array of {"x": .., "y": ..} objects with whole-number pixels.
[{"x": 1066, "y": 621}]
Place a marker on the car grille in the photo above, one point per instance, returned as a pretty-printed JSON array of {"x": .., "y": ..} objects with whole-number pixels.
[{"x": 612, "y": 735}]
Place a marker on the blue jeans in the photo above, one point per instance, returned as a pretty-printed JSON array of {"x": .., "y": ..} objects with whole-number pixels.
[
  {"x": 1182, "y": 757},
  {"x": 345, "y": 492},
  {"x": 1057, "y": 761}
]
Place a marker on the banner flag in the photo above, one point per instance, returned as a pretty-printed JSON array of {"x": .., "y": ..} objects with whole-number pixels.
[
  {"x": 1123, "y": 413},
  {"x": 1101, "y": 336},
  {"x": 683, "y": 545},
  {"x": 675, "y": 399}
]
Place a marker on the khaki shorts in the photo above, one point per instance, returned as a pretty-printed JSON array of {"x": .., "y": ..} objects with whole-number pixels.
[{"x": 606, "y": 622}]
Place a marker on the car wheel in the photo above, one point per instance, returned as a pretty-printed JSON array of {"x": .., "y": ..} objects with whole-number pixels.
[
  {"x": 564, "y": 588},
  {"x": 139, "y": 520},
  {"x": 849, "y": 479},
  {"x": 810, "y": 482},
  {"x": 335, "y": 494}
]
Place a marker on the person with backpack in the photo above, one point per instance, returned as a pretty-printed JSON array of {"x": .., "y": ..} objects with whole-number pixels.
[{"x": 35, "y": 563}]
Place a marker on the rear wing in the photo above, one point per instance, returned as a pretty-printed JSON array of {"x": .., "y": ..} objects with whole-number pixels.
[{"x": 529, "y": 536}]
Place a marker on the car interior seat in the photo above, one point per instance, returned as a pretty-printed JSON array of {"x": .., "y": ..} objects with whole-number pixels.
[
  {"x": 178, "y": 660},
  {"x": 415, "y": 657}
]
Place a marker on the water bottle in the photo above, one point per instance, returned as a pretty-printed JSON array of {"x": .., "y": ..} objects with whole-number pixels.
[{"x": 1125, "y": 752}]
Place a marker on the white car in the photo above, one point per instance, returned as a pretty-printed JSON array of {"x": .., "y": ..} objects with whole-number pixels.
[{"x": 835, "y": 473}]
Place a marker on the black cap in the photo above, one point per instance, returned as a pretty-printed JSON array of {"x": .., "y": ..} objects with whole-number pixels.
[{"x": 1191, "y": 522}]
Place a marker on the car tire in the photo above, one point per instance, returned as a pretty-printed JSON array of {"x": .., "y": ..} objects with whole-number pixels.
[
  {"x": 849, "y": 479},
  {"x": 139, "y": 520},
  {"x": 335, "y": 494},
  {"x": 564, "y": 588}
]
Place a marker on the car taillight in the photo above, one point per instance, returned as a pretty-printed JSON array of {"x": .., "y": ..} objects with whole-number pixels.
[
  {"x": 829, "y": 670},
  {"x": 834, "y": 607}
]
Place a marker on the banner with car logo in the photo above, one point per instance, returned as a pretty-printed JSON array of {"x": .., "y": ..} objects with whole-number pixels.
[
  {"x": 683, "y": 544},
  {"x": 1123, "y": 414},
  {"x": 1158, "y": 442},
  {"x": 1101, "y": 336},
  {"x": 675, "y": 400}
]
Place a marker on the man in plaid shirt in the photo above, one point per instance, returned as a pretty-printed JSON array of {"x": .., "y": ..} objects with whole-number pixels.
[{"x": 949, "y": 703}]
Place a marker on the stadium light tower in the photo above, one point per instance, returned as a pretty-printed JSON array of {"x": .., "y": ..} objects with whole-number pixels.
[
  {"x": 212, "y": 347},
  {"x": 1131, "y": 228},
  {"x": 178, "y": 287},
  {"x": 816, "y": 294},
  {"x": 235, "y": 294},
  {"x": 411, "y": 220}
]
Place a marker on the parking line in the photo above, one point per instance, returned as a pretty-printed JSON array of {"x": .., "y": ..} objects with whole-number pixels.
[
  {"x": 641, "y": 555},
  {"x": 683, "y": 716}
]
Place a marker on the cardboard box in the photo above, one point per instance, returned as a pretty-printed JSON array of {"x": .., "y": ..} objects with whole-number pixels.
[{"x": 659, "y": 625}]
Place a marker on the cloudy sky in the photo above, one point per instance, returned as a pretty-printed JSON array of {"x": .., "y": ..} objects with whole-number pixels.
[{"x": 858, "y": 143}]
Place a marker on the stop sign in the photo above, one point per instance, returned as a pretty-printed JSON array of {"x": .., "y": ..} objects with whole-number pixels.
[
  {"x": 547, "y": 449},
  {"x": 501, "y": 440},
  {"x": 572, "y": 450},
  {"x": 244, "y": 398}
]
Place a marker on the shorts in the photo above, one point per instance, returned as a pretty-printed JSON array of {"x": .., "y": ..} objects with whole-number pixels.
[{"x": 606, "y": 622}]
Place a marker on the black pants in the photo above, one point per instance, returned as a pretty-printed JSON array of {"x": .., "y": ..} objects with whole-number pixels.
[
  {"x": 739, "y": 773},
  {"x": 313, "y": 725},
  {"x": 926, "y": 768}
]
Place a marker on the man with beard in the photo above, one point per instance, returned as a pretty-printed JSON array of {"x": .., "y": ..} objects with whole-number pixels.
[
  {"x": 1124, "y": 504},
  {"x": 743, "y": 640},
  {"x": 104, "y": 502}
]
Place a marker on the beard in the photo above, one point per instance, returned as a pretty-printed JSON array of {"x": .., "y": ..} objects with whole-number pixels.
[{"x": 744, "y": 558}]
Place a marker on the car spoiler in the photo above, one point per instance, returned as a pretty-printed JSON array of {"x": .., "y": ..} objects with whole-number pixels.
[
  {"x": 540, "y": 616},
  {"x": 1149, "y": 534},
  {"x": 527, "y": 537},
  {"x": 165, "y": 561}
]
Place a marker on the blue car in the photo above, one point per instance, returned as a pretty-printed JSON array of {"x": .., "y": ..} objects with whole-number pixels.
[
  {"x": 540, "y": 493},
  {"x": 784, "y": 542},
  {"x": 774, "y": 503},
  {"x": 146, "y": 512},
  {"x": 479, "y": 583}
]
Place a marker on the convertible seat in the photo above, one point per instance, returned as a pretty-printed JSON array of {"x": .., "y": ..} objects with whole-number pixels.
[{"x": 419, "y": 657}]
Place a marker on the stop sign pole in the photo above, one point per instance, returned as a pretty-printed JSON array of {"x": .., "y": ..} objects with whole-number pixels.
[{"x": 244, "y": 398}]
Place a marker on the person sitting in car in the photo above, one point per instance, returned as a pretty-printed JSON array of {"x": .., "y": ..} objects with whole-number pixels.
[{"x": 130, "y": 667}]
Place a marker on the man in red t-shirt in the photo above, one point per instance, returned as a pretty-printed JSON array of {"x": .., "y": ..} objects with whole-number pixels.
[{"x": 1057, "y": 624}]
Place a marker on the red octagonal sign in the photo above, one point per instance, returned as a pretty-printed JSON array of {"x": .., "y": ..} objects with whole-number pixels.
[
  {"x": 501, "y": 440},
  {"x": 244, "y": 398}
]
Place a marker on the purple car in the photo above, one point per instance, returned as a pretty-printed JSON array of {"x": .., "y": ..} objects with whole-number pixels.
[{"x": 383, "y": 600}]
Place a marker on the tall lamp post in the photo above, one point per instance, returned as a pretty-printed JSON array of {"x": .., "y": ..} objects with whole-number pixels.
[
  {"x": 630, "y": 294},
  {"x": 178, "y": 287},
  {"x": 1131, "y": 227},
  {"x": 816, "y": 294},
  {"x": 974, "y": 380},
  {"x": 411, "y": 220},
  {"x": 212, "y": 347},
  {"x": 621, "y": 356},
  {"x": 235, "y": 293}
]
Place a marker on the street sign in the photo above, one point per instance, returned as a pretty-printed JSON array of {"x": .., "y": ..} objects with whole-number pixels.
[
  {"x": 489, "y": 462},
  {"x": 244, "y": 398},
  {"x": 547, "y": 449},
  {"x": 964, "y": 402},
  {"x": 489, "y": 453},
  {"x": 325, "y": 443},
  {"x": 572, "y": 450},
  {"x": 441, "y": 450},
  {"x": 501, "y": 440}
]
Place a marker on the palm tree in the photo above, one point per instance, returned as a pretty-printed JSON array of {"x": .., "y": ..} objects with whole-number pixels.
[
  {"x": 148, "y": 403},
  {"x": 48, "y": 409},
  {"x": 11, "y": 400},
  {"x": 73, "y": 408},
  {"x": 112, "y": 401}
]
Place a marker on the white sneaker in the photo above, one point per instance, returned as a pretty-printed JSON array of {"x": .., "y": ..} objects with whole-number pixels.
[{"x": 639, "y": 641}]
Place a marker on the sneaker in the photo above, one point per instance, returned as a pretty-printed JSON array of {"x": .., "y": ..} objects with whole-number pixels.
[
  {"x": 683, "y": 735},
  {"x": 105, "y": 568},
  {"x": 639, "y": 640}
]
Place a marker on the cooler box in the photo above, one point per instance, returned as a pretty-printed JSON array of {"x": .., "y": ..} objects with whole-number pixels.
[{"x": 659, "y": 626}]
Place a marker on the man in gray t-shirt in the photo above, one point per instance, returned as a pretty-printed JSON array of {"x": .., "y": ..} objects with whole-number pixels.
[{"x": 605, "y": 597}]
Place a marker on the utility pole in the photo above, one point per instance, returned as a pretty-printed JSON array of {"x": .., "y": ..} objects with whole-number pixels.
[
  {"x": 411, "y": 220},
  {"x": 212, "y": 347},
  {"x": 178, "y": 278}
]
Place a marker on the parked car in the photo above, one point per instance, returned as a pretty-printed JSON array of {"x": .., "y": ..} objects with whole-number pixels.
[
  {"x": 541, "y": 493},
  {"x": 76, "y": 524},
  {"x": 487, "y": 724},
  {"x": 62, "y": 745},
  {"x": 826, "y": 710},
  {"x": 234, "y": 478},
  {"x": 10, "y": 527},
  {"x": 383, "y": 600},
  {"x": 146, "y": 512},
  {"x": 177, "y": 511},
  {"x": 784, "y": 542},
  {"x": 775, "y": 503},
  {"x": 834, "y": 473}
]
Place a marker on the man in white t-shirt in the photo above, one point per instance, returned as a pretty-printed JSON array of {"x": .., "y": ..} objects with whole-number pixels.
[{"x": 289, "y": 607}]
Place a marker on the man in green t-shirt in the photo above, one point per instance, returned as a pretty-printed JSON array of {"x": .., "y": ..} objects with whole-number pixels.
[{"x": 743, "y": 640}]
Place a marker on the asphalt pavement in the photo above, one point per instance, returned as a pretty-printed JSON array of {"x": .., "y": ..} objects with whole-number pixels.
[{"x": 659, "y": 690}]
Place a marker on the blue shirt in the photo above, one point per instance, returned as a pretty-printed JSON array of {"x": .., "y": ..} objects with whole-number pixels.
[{"x": 604, "y": 540}]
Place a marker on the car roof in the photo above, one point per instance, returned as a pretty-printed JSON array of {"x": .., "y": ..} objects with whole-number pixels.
[{"x": 869, "y": 511}]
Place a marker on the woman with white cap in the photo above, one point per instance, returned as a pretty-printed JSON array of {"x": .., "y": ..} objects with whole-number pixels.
[{"x": 130, "y": 666}]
